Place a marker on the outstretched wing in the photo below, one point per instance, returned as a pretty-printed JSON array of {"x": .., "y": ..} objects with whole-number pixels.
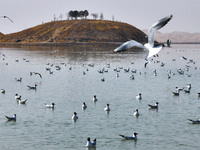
[
  {"x": 127, "y": 45},
  {"x": 7, "y": 18},
  {"x": 156, "y": 26}
]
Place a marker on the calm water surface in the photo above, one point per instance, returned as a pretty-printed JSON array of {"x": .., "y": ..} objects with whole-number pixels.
[{"x": 40, "y": 128}]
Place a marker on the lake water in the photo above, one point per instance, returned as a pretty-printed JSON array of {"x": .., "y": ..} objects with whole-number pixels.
[{"x": 40, "y": 128}]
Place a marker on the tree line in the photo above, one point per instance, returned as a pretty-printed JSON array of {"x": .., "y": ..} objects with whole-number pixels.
[
  {"x": 75, "y": 14},
  {"x": 83, "y": 14}
]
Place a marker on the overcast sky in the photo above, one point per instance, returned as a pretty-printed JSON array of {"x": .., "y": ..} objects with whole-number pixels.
[{"x": 139, "y": 13}]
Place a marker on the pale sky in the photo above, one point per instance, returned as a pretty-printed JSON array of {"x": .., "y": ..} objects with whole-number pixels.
[{"x": 139, "y": 13}]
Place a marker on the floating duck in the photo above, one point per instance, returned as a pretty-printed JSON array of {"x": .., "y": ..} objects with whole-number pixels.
[
  {"x": 187, "y": 90},
  {"x": 84, "y": 106},
  {"x": 13, "y": 118},
  {"x": 134, "y": 137},
  {"x": 22, "y": 101},
  {"x": 132, "y": 77},
  {"x": 95, "y": 98},
  {"x": 91, "y": 144},
  {"x": 195, "y": 121},
  {"x": 176, "y": 93},
  {"x": 139, "y": 96},
  {"x": 32, "y": 87},
  {"x": 18, "y": 80},
  {"x": 3, "y": 91},
  {"x": 189, "y": 86},
  {"x": 107, "y": 108},
  {"x": 154, "y": 106},
  {"x": 17, "y": 97},
  {"x": 198, "y": 94},
  {"x": 74, "y": 117},
  {"x": 136, "y": 113},
  {"x": 50, "y": 106}
]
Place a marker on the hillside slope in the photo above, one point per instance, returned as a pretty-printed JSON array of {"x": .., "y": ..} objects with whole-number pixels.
[{"x": 76, "y": 31}]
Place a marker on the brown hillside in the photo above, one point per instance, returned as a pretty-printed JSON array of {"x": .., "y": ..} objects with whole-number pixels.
[{"x": 77, "y": 31}]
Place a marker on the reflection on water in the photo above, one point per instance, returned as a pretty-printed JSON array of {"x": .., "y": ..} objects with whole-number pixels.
[{"x": 40, "y": 128}]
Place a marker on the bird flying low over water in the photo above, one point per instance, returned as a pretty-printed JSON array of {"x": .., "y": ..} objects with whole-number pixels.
[
  {"x": 152, "y": 50},
  {"x": 133, "y": 137},
  {"x": 6, "y": 17},
  {"x": 36, "y": 73}
]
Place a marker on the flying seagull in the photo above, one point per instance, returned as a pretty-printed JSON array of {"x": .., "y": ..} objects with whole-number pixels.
[
  {"x": 150, "y": 45},
  {"x": 6, "y": 17}
]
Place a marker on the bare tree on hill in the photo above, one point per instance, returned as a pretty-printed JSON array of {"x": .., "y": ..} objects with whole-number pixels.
[
  {"x": 101, "y": 16},
  {"x": 94, "y": 15}
]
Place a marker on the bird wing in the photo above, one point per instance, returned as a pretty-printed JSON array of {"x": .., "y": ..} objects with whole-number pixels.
[
  {"x": 38, "y": 74},
  {"x": 127, "y": 45},
  {"x": 156, "y": 26},
  {"x": 7, "y": 18}
]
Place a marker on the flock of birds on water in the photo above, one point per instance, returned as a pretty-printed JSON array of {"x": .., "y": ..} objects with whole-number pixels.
[{"x": 151, "y": 51}]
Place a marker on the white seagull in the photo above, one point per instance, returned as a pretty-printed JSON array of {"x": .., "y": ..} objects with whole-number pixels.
[
  {"x": 134, "y": 137},
  {"x": 32, "y": 87},
  {"x": 50, "y": 106},
  {"x": 154, "y": 106},
  {"x": 17, "y": 97},
  {"x": 91, "y": 144},
  {"x": 136, "y": 113},
  {"x": 150, "y": 45},
  {"x": 22, "y": 101},
  {"x": 84, "y": 106},
  {"x": 194, "y": 121},
  {"x": 74, "y": 117},
  {"x": 3, "y": 91},
  {"x": 107, "y": 108},
  {"x": 94, "y": 98},
  {"x": 18, "y": 79},
  {"x": 139, "y": 96}
]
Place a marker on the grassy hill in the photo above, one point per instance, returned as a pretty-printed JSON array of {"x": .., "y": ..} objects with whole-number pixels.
[{"x": 76, "y": 31}]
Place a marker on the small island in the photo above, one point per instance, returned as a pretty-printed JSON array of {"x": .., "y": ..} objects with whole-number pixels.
[{"x": 83, "y": 31}]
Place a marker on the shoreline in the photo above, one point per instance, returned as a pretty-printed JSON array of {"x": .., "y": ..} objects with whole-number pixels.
[
  {"x": 63, "y": 44},
  {"x": 78, "y": 43}
]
